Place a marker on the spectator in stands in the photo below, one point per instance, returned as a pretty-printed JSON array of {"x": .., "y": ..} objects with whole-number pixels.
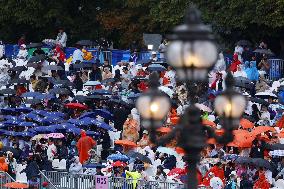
[
  {"x": 51, "y": 149},
  {"x": 38, "y": 51},
  {"x": 77, "y": 56},
  {"x": 126, "y": 78},
  {"x": 61, "y": 38},
  {"x": 95, "y": 74},
  {"x": 162, "y": 48},
  {"x": 99, "y": 170},
  {"x": 106, "y": 73},
  {"x": 12, "y": 164},
  {"x": 154, "y": 57},
  {"x": 76, "y": 167},
  {"x": 62, "y": 151},
  {"x": 85, "y": 143},
  {"x": 2, "y": 50},
  {"x": 78, "y": 83},
  {"x": 23, "y": 53},
  {"x": 107, "y": 64},
  {"x": 3, "y": 165}
]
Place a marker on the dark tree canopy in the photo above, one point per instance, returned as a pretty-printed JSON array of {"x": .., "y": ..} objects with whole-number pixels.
[{"x": 123, "y": 21}]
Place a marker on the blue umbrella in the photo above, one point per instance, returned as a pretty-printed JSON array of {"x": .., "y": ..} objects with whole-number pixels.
[
  {"x": 39, "y": 112},
  {"x": 11, "y": 122},
  {"x": 156, "y": 67},
  {"x": 101, "y": 92},
  {"x": 92, "y": 133},
  {"x": 55, "y": 114},
  {"x": 118, "y": 157},
  {"x": 9, "y": 133},
  {"x": 31, "y": 94},
  {"x": 24, "y": 109},
  {"x": 74, "y": 121},
  {"x": 24, "y": 134},
  {"x": 10, "y": 117},
  {"x": 92, "y": 83},
  {"x": 52, "y": 119},
  {"x": 8, "y": 111},
  {"x": 104, "y": 113},
  {"x": 63, "y": 126},
  {"x": 93, "y": 165},
  {"x": 42, "y": 129},
  {"x": 134, "y": 96},
  {"x": 30, "y": 116},
  {"x": 102, "y": 125},
  {"x": 86, "y": 121},
  {"x": 74, "y": 130},
  {"x": 45, "y": 96},
  {"x": 27, "y": 124}
]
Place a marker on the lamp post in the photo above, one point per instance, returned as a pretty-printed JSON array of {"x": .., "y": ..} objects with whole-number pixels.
[{"x": 192, "y": 52}]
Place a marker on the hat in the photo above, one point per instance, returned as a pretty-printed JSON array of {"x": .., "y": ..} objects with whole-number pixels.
[
  {"x": 23, "y": 45},
  {"x": 145, "y": 132},
  {"x": 233, "y": 173}
]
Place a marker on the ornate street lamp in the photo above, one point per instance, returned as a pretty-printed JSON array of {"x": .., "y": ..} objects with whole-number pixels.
[{"x": 192, "y": 52}]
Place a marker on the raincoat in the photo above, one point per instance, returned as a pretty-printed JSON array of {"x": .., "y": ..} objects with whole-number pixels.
[
  {"x": 251, "y": 71},
  {"x": 261, "y": 182},
  {"x": 235, "y": 63},
  {"x": 85, "y": 143},
  {"x": 3, "y": 165}
]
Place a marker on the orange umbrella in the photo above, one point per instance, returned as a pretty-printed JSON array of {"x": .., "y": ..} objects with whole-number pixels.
[
  {"x": 174, "y": 120},
  {"x": 118, "y": 164},
  {"x": 281, "y": 135},
  {"x": 15, "y": 185},
  {"x": 208, "y": 123},
  {"x": 180, "y": 150},
  {"x": 125, "y": 143},
  {"x": 262, "y": 129},
  {"x": 242, "y": 139},
  {"x": 246, "y": 124},
  {"x": 164, "y": 130}
]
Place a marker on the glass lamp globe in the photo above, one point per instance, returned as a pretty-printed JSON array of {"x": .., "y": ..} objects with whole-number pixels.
[
  {"x": 153, "y": 108},
  {"x": 230, "y": 106}
]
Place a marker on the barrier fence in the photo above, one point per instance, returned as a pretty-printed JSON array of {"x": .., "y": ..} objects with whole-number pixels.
[
  {"x": 4, "y": 179},
  {"x": 276, "y": 69},
  {"x": 63, "y": 180}
]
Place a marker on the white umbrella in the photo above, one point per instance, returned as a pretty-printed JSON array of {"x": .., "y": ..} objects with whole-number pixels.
[
  {"x": 266, "y": 94},
  {"x": 203, "y": 107},
  {"x": 92, "y": 83},
  {"x": 54, "y": 135},
  {"x": 166, "y": 150},
  {"x": 167, "y": 90}
]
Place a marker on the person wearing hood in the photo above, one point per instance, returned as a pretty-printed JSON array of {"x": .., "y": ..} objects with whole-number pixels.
[
  {"x": 235, "y": 63},
  {"x": 23, "y": 53},
  {"x": 85, "y": 143},
  {"x": 76, "y": 167},
  {"x": 261, "y": 85},
  {"x": 261, "y": 182},
  {"x": 3, "y": 165},
  {"x": 251, "y": 71},
  {"x": 245, "y": 182}
]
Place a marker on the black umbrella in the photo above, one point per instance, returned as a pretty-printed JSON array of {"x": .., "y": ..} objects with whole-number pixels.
[
  {"x": 80, "y": 98},
  {"x": 53, "y": 67},
  {"x": 97, "y": 97},
  {"x": 34, "y": 45},
  {"x": 83, "y": 65},
  {"x": 60, "y": 91},
  {"x": 264, "y": 51},
  {"x": 19, "y": 68},
  {"x": 63, "y": 83},
  {"x": 140, "y": 157},
  {"x": 243, "y": 82},
  {"x": 139, "y": 78},
  {"x": 33, "y": 101},
  {"x": 277, "y": 146},
  {"x": 243, "y": 160},
  {"x": 85, "y": 43},
  {"x": 259, "y": 162},
  {"x": 244, "y": 43},
  {"x": 19, "y": 81},
  {"x": 144, "y": 61},
  {"x": 259, "y": 101},
  {"x": 109, "y": 80},
  {"x": 36, "y": 58},
  {"x": 8, "y": 91}
]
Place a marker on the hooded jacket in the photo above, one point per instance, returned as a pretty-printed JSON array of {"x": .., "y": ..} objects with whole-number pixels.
[{"x": 85, "y": 143}]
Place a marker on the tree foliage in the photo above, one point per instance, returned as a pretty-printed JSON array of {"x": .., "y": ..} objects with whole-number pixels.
[{"x": 123, "y": 21}]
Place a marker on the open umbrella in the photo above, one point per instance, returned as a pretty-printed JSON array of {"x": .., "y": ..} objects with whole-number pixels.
[
  {"x": 62, "y": 83},
  {"x": 36, "y": 58},
  {"x": 101, "y": 92},
  {"x": 92, "y": 83},
  {"x": 85, "y": 64},
  {"x": 259, "y": 101},
  {"x": 8, "y": 91},
  {"x": 266, "y": 95},
  {"x": 31, "y": 94},
  {"x": 277, "y": 146},
  {"x": 203, "y": 107},
  {"x": 140, "y": 157},
  {"x": 34, "y": 45},
  {"x": 109, "y": 80},
  {"x": 16, "y": 185},
  {"x": 117, "y": 157},
  {"x": 166, "y": 150},
  {"x": 53, "y": 67},
  {"x": 101, "y": 112},
  {"x": 54, "y": 135},
  {"x": 19, "y": 81},
  {"x": 177, "y": 171},
  {"x": 263, "y": 51},
  {"x": 209, "y": 123},
  {"x": 262, "y": 129},
  {"x": 76, "y": 106},
  {"x": 156, "y": 67},
  {"x": 60, "y": 91},
  {"x": 118, "y": 164},
  {"x": 85, "y": 43},
  {"x": 144, "y": 61},
  {"x": 246, "y": 124},
  {"x": 27, "y": 124},
  {"x": 259, "y": 162},
  {"x": 243, "y": 160},
  {"x": 125, "y": 143}
]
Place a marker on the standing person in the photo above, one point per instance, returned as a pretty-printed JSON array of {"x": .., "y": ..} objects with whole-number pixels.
[
  {"x": 22, "y": 40},
  {"x": 162, "y": 48},
  {"x": 245, "y": 182},
  {"x": 12, "y": 164},
  {"x": 96, "y": 74},
  {"x": 215, "y": 182},
  {"x": 85, "y": 143},
  {"x": 77, "y": 56},
  {"x": 234, "y": 65},
  {"x": 232, "y": 182},
  {"x": 261, "y": 182},
  {"x": 106, "y": 73},
  {"x": 126, "y": 78},
  {"x": 61, "y": 38},
  {"x": 51, "y": 150},
  {"x": 23, "y": 53},
  {"x": 62, "y": 152},
  {"x": 78, "y": 83},
  {"x": 107, "y": 64},
  {"x": 105, "y": 141},
  {"x": 3, "y": 165},
  {"x": 76, "y": 167}
]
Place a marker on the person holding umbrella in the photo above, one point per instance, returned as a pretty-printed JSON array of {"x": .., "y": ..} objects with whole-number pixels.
[
  {"x": 61, "y": 38},
  {"x": 23, "y": 53}
]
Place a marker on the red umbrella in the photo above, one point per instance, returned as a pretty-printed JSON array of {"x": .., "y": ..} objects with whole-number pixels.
[
  {"x": 177, "y": 171},
  {"x": 126, "y": 143},
  {"x": 118, "y": 164},
  {"x": 76, "y": 106},
  {"x": 15, "y": 185}
]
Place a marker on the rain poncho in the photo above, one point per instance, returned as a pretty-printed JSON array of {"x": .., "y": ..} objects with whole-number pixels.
[
  {"x": 235, "y": 63},
  {"x": 85, "y": 143},
  {"x": 251, "y": 71}
]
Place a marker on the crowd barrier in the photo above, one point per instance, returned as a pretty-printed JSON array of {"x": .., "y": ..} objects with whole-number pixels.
[
  {"x": 63, "y": 180},
  {"x": 4, "y": 179},
  {"x": 276, "y": 69}
]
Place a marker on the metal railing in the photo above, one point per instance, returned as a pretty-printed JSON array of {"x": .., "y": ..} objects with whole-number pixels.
[
  {"x": 45, "y": 179},
  {"x": 63, "y": 180},
  {"x": 276, "y": 70},
  {"x": 4, "y": 179}
]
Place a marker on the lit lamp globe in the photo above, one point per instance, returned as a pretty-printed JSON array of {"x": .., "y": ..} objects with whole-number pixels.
[
  {"x": 153, "y": 105},
  {"x": 192, "y": 50},
  {"x": 230, "y": 105}
]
